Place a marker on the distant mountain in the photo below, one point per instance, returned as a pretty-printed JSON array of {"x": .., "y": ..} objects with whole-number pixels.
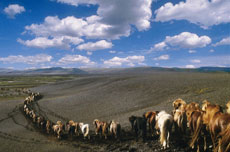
[
  {"x": 64, "y": 71},
  {"x": 214, "y": 69},
  {"x": 44, "y": 71}
]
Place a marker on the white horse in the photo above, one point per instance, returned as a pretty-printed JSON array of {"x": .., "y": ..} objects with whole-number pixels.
[
  {"x": 115, "y": 128},
  {"x": 84, "y": 129},
  {"x": 164, "y": 122}
]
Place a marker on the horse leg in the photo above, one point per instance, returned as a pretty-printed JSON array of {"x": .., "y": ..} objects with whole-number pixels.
[
  {"x": 205, "y": 143},
  {"x": 213, "y": 140},
  {"x": 168, "y": 136}
]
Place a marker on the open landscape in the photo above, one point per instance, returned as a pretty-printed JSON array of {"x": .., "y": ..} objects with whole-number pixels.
[{"x": 115, "y": 96}]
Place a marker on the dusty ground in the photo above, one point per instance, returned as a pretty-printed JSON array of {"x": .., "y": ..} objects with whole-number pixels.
[{"x": 107, "y": 97}]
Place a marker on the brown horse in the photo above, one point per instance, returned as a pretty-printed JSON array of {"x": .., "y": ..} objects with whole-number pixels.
[
  {"x": 101, "y": 128},
  {"x": 214, "y": 119},
  {"x": 180, "y": 121},
  {"x": 151, "y": 120},
  {"x": 205, "y": 104},
  {"x": 48, "y": 126},
  {"x": 228, "y": 107},
  {"x": 58, "y": 129},
  {"x": 177, "y": 103},
  {"x": 193, "y": 106},
  {"x": 217, "y": 125},
  {"x": 224, "y": 142},
  {"x": 198, "y": 130}
]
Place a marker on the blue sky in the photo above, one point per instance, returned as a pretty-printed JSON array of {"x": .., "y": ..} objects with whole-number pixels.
[{"x": 114, "y": 33}]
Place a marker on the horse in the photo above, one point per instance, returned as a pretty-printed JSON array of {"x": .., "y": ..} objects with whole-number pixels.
[
  {"x": 33, "y": 115},
  {"x": 198, "y": 130},
  {"x": 70, "y": 127},
  {"x": 150, "y": 117},
  {"x": 84, "y": 129},
  {"x": 138, "y": 126},
  {"x": 180, "y": 121},
  {"x": 115, "y": 128},
  {"x": 192, "y": 105},
  {"x": 48, "y": 126},
  {"x": 228, "y": 107},
  {"x": 164, "y": 123},
  {"x": 212, "y": 119},
  {"x": 205, "y": 104},
  {"x": 224, "y": 142},
  {"x": 177, "y": 103},
  {"x": 58, "y": 129},
  {"x": 217, "y": 125},
  {"x": 101, "y": 128}
]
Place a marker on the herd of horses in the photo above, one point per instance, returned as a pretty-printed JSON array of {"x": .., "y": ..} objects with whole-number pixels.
[{"x": 200, "y": 122}]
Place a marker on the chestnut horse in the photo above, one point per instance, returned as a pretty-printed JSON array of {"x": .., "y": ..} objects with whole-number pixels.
[
  {"x": 224, "y": 142},
  {"x": 215, "y": 121},
  {"x": 228, "y": 107},
  {"x": 101, "y": 128},
  {"x": 180, "y": 121},
  {"x": 177, "y": 103},
  {"x": 198, "y": 130},
  {"x": 151, "y": 119}
]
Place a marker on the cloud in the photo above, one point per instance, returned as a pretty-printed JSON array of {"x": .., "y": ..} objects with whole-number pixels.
[
  {"x": 112, "y": 52},
  {"x": 195, "y": 61},
  {"x": 224, "y": 41},
  {"x": 63, "y": 42},
  {"x": 114, "y": 19},
  {"x": 192, "y": 51},
  {"x": 39, "y": 58},
  {"x": 13, "y": 10},
  {"x": 162, "y": 57},
  {"x": 211, "y": 50},
  {"x": 204, "y": 13},
  {"x": 99, "y": 45},
  {"x": 77, "y": 2},
  {"x": 190, "y": 66},
  {"x": 185, "y": 40},
  {"x": 127, "y": 61},
  {"x": 159, "y": 47},
  {"x": 75, "y": 59}
]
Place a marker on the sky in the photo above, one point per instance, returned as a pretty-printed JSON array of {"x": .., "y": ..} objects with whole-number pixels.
[{"x": 114, "y": 33}]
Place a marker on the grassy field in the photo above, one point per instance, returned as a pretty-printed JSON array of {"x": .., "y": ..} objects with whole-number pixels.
[{"x": 11, "y": 87}]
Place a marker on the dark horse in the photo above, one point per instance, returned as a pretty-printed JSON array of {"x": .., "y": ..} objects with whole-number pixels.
[{"x": 139, "y": 126}]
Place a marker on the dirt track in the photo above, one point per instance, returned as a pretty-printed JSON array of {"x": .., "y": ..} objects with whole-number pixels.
[{"x": 107, "y": 97}]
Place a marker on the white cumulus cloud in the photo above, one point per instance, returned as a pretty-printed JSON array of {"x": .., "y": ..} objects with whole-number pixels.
[
  {"x": 75, "y": 59},
  {"x": 183, "y": 40},
  {"x": 127, "y": 61},
  {"x": 162, "y": 57},
  {"x": 36, "y": 59},
  {"x": 113, "y": 20},
  {"x": 224, "y": 41},
  {"x": 205, "y": 13},
  {"x": 13, "y": 10},
  {"x": 63, "y": 42},
  {"x": 99, "y": 45}
]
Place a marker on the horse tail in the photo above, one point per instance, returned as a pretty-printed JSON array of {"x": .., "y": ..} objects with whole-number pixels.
[{"x": 197, "y": 131}]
